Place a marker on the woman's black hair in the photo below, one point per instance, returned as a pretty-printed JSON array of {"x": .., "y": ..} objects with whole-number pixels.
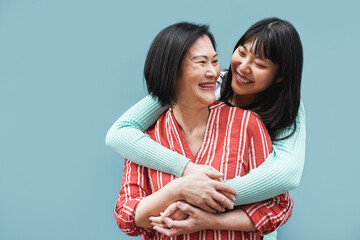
[
  {"x": 278, "y": 41},
  {"x": 165, "y": 56}
]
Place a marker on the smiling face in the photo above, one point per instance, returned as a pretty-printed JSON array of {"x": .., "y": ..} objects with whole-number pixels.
[
  {"x": 197, "y": 75},
  {"x": 251, "y": 74}
]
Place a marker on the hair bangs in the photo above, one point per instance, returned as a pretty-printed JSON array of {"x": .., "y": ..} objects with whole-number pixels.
[{"x": 265, "y": 45}]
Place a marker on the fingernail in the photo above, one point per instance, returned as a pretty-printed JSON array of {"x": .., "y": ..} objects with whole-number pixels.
[{"x": 180, "y": 204}]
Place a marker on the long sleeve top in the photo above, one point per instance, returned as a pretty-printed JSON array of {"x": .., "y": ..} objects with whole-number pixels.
[
  {"x": 281, "y": 171},
  {"x": 232, "y": 147}
]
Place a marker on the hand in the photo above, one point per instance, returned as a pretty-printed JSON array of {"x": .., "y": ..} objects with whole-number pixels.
[
  {"x": 207, "y": 194},
  {"x": 199, "y": 169},
  {"x": 172, "y": 212},
  {"x": 196, "y": 221}
]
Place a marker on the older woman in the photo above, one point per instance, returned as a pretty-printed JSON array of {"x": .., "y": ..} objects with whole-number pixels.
[{"x": 181, "y": 71}]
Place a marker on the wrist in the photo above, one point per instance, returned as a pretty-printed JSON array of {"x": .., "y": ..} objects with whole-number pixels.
[
  {"x": 213, "y": 221},
  {"x": 188, "y": 168}
]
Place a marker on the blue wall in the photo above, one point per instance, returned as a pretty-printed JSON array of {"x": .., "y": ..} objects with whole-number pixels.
[{"x": 69, "y": 68}]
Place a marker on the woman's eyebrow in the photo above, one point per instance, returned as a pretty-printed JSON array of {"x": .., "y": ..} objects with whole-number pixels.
[
  {"x": 257, "y": 56},
  {"x": 262, "y": 58},
  {"x": 202, "y": 56}
]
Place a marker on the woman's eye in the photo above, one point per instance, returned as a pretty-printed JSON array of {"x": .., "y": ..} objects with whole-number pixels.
[
  {"x": 203, "y": 62},
  {"x": 215, "y": 61},
  {"x": 259, "y": 65},
  {"x": 242, "y": 53}
]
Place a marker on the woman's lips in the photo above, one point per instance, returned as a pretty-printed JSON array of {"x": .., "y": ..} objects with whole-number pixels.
[
  {"x": 207, "y": 85},
  {"x": 242, "y": 80}
]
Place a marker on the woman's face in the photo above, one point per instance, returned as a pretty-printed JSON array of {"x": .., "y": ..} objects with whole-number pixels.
[
  {"x": 251, "y": 74},
  {"x": 196, "y": 78}
]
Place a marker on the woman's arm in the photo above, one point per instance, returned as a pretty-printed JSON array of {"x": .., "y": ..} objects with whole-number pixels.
[
  {"x": 134, "y": 188},
  {"x": 136, "y": 202},
  {"x": 126, "y": 136},
  {"x": 281, "y": 170}
]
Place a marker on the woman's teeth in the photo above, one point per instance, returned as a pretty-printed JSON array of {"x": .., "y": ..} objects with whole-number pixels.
[
  {"x": 206, "y": 85},
  {"x": 243, "y": 80}
]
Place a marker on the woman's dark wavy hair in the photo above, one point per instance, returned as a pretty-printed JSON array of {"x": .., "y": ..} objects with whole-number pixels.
[
  {"x": 165, "y": 56},
  {"x": 278, "y": 41}
]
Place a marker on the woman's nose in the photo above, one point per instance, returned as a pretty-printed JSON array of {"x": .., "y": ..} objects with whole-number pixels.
[
  {"x": 213, "y": 71},
  {"x": 245, "y": 66}
]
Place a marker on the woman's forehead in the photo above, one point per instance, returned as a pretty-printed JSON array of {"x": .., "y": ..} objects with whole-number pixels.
[
  {"x": 201, "y": 47},
  {"x": 257, "y": 47}
]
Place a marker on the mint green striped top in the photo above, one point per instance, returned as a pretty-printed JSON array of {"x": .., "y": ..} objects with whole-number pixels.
[{"x": 281, "y": 171}]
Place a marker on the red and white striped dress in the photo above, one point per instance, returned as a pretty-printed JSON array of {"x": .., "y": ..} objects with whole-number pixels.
[{"x": 235, "y": 142}]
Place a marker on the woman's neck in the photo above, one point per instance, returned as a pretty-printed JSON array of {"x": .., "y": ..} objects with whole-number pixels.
[
  {"x": 192, "y": 122},
  {"x": 190, "y": 118},
  {"x": 243, "y": 100}
]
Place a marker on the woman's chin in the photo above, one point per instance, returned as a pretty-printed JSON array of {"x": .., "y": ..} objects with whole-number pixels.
[{"x": 209, "y": 100}]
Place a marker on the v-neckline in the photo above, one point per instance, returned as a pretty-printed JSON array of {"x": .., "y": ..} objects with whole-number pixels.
[{"x": 185, "y": 145}]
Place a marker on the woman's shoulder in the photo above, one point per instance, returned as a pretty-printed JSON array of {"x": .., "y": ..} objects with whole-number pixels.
[
  {"x": 161, "y": 120},
  {"x": 218, "y": 104},
  {"x": 236, "y": 119},
  {"x": 238, "y": 113}
]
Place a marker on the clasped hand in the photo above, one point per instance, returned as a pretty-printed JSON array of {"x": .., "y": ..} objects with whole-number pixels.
[
  {"x": 181, "y": 218},
  {"x": 203, "y": 193},
  {"x": 202, "y": 186}
]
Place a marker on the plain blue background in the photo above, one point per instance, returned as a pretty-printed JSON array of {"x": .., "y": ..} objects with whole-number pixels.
[{"x": 70, "y": 68}]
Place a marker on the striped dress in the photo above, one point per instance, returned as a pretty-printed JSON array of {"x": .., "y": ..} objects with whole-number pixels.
[{"x": 235, "y": 142}]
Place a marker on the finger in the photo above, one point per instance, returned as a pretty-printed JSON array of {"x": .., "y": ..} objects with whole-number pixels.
[
  {"x": 189, "y": 209},
  {"x": 214, "y": 174},
  {"x": 211, "y": 172},
  {"x": 182, "y": 224},
  {"x": 228, "y": 195},
  {"x": 207, "y": 208},
  {"x": 170, "y": 210},
  {"x": 156, "y": 219},
  {"x": 215, "y": 205},
  {"x": 219, "y": 198},
  {"x": 224, "y": 187},
  {"x": 186, "y": 208},
  {"x": 179, "y": 215}
]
